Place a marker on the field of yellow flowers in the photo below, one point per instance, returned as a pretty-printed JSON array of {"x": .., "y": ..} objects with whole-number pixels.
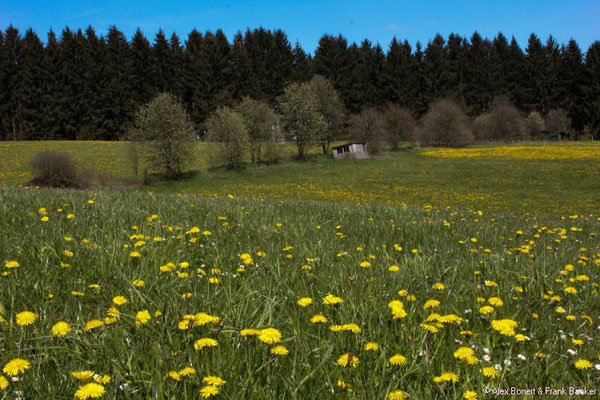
[{"x": 137, "y": 295}]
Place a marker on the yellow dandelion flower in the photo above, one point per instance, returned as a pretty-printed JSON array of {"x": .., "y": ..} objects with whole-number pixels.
[
  {"x": 142, "y": 317},
  {"x": 119, "y": 300},
  {"x": 173, "y": 375},
  {"x": 16, "y": 366},
  {"x": 496, "y": 301},
  {"x": 371, "y": 346},
  {"x": 583, "y": 364},
  {"x": 205, "y": 342},
  {"x": 93, "y": 324},
  {"x": 462, "y": 353},
  {"x": 505, "y": 326},
  {"x": 269, "y": 336},
  {"x": 209, "y": 391},
  {"x": 82, "y": 376},
  {"x": 365, "y": 264},
  {"x": 305, "y": 301},
  {"x": 280, "y": 351},
  {"x": 135, "y": 254},
  {"x": 3, "y": 383},
  {"x": 397, "y": 395},
  {"x": 187, "y": 371},
  {"x": 348, "y": 360},
  {"x": 12, "y": 264},
  {"x": 249, "y": 332},
  {"x": 490, "y": 372},
  {"x": 90, "y": 391},
  {"x": 61, "y": 329},
  {"x": 318, "y": 319},
  {"x": 26, "y": 318},
  {"x": 470, "y": 395},
  {"x": 138, "y": 283},
  {"x": 438, "y": 286},
  {"x": 332, "y": 300},
  {"x": 431, "y": 303},
  {"x": 214, "y": 381},
  {"x": 398, "y": 359}
]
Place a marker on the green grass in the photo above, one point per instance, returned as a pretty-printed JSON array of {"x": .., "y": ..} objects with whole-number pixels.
[
  {"x": 529, "y": 226},
  {"x": 265, "y": 294},
  {"x": 566, "y": 186}
]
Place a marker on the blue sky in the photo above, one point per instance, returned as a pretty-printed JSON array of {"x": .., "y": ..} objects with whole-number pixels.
[{"x": 307, "y": 20}]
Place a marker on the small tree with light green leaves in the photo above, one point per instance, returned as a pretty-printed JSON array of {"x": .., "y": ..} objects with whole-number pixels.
[
  {"x": 300, "y": 117},
  {"x": 228, "y": 136},
  {"x": 163, "y": 135}
]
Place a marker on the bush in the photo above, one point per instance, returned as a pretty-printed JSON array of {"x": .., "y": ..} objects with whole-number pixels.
[
  {"x": 503, "y": 122},
  {"x": 445, "y": 124},
  {"x": 535, "y": 125},
  {"x": 228, "y": 133},
  {"x": 261, "y": 122},
  {"x": 558, "y": 121},
  {"x": 367, "y": 127},
  {"x": 163, "y": 134},
  {"x": 301, "y": 119},
  {"x": 398, "y": 125},
  {"x": 332, "y": 110},
  {"x": 54, "y": 169}
]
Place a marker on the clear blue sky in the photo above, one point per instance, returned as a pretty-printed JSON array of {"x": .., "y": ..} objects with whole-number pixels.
[{"x": 307, "y": 20}]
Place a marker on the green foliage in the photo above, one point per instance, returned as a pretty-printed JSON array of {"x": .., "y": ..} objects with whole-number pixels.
[
  {"x": 226, "y": 129},
  {"x": 331, "y": 108},
  {"x": 300, "y": 117},
  {"x": 164, "y": 133},
  {"x": 261, "y": 124}
]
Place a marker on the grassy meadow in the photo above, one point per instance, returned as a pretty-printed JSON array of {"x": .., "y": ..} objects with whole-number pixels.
[{"x": 422, "y": 274}]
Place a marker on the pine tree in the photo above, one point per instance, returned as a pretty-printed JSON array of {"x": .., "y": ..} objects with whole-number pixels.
[
  {"x": 436, "y": 75},
  {"x": 117, "y": 105},
  {"x": 478, "y": 84},
  {"x": 457, "y": 66},
  {"x": 301, "y": 69},
  {"x": 142, "y": 69},
  {"x": 517, "y": 75},
  {"x": 33, "y": 85},
  {"x": 3, "y": 90},
  {"x": 201, "y": 85},
  {"x": 161, "y": 63},
  {"x": 12, "y": 67},
  {"x": 179, "y": 68},
  {"x": 553, "y": 83},
  {"x": 572, "y": 78},
  {"x": 94, "y": 76},
  {"x": 51, "y": 106},
  {"x": 216, "y": 50},
  {"x": 592, "y": 88},
  {"x": 500, "y": 67},
  {"x": 241, "y": 70},
  {"x": 332, "y": 59},
  {"x": 535, "y": 62}
]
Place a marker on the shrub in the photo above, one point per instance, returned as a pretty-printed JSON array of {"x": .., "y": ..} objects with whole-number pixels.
[
  {"x": 445, "y": 124},
  {"x": 330, "y": 107},
  {"x": 163, "y": 133},
  {"x": 367, "y": 127},
  {"x": 300, "y": 117},
  {"x": 54, "y": 169},
  {"x": 398, "y": 125},
  {"x": 503, "y": 122},
  {"x": 261, "y": 122},
  {"x": 558, "y": 121},
  {"x": 535, "y": 125},
  {"x": 228, "y": 133}
]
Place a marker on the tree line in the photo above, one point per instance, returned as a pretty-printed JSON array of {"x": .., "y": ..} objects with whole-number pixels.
[{"x": 79, "y": 85}]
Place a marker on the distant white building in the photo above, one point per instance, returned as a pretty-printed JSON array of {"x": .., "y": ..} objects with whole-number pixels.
[{"x": 351, "y": 150}]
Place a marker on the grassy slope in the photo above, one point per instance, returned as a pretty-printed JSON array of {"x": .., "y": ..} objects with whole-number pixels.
[{"x": 501, "y": 183}]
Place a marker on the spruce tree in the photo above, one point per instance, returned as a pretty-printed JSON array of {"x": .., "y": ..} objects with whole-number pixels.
[
  {"x": 301, "y": 69},
  {"x": 201, "y": 84},
  {"x": 33, "y": 85},
  {"x": 572, "y": 78},
  {"x": 535, "y": 62},
  {"x": 478, "y": 84},
  {"x": 592, "y": 88},
  {"x": 142, "y": 69},
  {"x": 117, "y": 105},
  {"x": 12, "y": 67}
]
